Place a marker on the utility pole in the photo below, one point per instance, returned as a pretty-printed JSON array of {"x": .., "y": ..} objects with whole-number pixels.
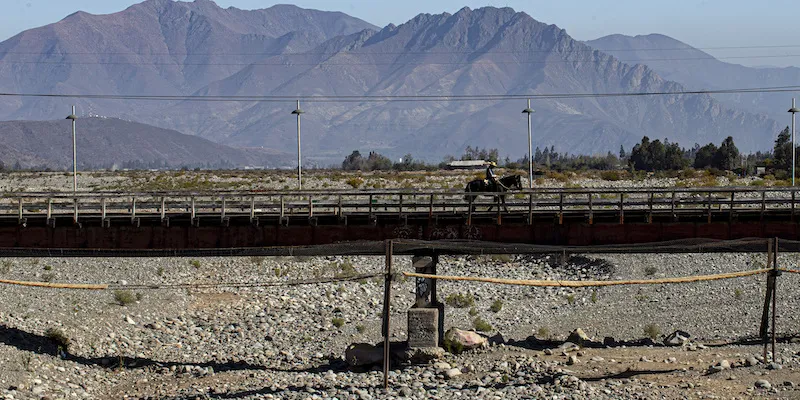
[
  {"x": 529, "y": 111},
  {"x": 793, "y": 110},
  {"x": 73, "y": 117},
  {"x": 297, "y": 112}
]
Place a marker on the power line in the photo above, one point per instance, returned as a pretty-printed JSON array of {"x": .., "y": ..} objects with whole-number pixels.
[
  {"x": 407, "y": 98},
  {"x": 325, "y": 63},
  {"x": 589, "y": 50}
]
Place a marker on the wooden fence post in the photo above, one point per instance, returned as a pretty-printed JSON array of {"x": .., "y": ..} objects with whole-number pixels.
[{"x": 387, "y": 293}]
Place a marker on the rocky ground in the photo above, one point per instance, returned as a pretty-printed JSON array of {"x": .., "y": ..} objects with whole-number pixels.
[{"x": 289, "y": 341}]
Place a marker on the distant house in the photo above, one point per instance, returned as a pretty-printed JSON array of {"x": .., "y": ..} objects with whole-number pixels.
[{"x": 466, "y": 164}]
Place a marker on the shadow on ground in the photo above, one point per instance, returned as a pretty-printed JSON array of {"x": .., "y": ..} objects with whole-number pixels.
[{"x": 53, "y": 346}]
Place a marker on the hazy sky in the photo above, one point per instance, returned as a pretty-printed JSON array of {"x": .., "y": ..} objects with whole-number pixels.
[{"x": 700, "y": 23}]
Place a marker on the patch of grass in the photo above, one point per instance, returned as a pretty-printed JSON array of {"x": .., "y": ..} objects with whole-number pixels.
[
  {"x": 501, "y": 258},
  {"x": 571, "y": 298},
  {"x": 125, "y": 297},
  {"x": 361, "y": 328},
  {"x": 48, "y": 267},
  {"x": 496, "y": 306},
  {"x": 337, "y": 322},
  {"x": 280, "y": 272},
  {"x": 652, "y": 331},
  {"x": 481, "y": 325},
  {"x": 160, "y": 271},
  {"x": 195, "y": 263},
  {"x": 58, "y": 337},
  {"x": 473, "y": 312},
  {"x": 594, "y": 296},
  {"x": 346, "y": 269},
  {"x": 257, "y": 260},
  {"x": 459, "y": 300},
  {"x": 543, "y": 333},
  {"x": 650, "y": 270},
  {"x": 5, "y": 267},
  {"x": 738, "y": 294},
  {"x": 49, "y": 277}
]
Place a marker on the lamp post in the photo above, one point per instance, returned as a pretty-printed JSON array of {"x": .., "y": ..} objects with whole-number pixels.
[
  {"x": 793, "y": 110},
  {"x": 297, "y": 112},
  {"x": 73, "y": 117},
  {"x": 529, "y": 111}
]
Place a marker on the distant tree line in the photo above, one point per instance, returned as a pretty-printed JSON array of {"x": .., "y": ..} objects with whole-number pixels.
[{"x": 647, "y": 155}]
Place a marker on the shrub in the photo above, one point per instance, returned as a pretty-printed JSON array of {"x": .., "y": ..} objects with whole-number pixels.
[
  {"x": 571, "y": 298},
  {"x": 48, "y": 267},
  {"x": 758, "y": 182},
  {"x": 473, "y": 312},
  {"x": 337, "y": 322},
  {"x": 58, "y": 337},
  {"x": 453, "y": 347},
  {"x": 355, "y": 182},
  {"x": 594, "y": 296},
  {"x": 49, "y": 277},
  {"x": 496, "y": 306},
  {"x": 125, "y": 297},
  {"x": 360, "y": 328},
  {"x": 481, "y": 325},
  {"x": 459, "y": 300},
  {"x": 650, "y": 270},
  {"x": 738, "y": 294},
  {"x": 610, "y": 175},
  {"x": 543, "y": 333},
  {"x": 195, "y": 263},
  {"x": 652, "y": 331}
]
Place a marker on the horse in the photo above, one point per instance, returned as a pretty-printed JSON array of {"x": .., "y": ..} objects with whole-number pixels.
[{"x": 505, "y": 184}]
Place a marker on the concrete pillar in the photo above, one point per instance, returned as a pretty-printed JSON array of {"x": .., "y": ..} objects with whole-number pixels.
[{"x": 426, "y": 317}]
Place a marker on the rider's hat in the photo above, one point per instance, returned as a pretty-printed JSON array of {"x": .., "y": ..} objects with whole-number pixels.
[{"x": 492, "y": 163}]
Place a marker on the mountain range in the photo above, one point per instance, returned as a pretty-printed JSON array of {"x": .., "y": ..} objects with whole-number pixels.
[
  {"x": 114, "y": 143},
  {"x": 169, "y": 48}
]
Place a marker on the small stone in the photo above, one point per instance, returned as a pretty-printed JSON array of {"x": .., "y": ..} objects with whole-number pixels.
[
  {"x": 130, "y": 320},
  {"x": 763, "y": 384},
  {"x": 452, "y": 373},
  {"x": 750, "y": 361},
  {"x": 572, "y": 360},
  {"x": 548, "y": 352},
  {"x": 774, "y": 366},
  {"x": 677, "y": 338},
  {"x": 441, "y": 366}
]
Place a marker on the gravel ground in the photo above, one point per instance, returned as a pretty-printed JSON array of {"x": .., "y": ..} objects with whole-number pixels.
[
  {"x": 289, "y": 341},
  {"x": 282, "y": 342}
]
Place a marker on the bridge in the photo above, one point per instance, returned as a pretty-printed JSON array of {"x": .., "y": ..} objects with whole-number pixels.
[{"x": 231, "y": 219}]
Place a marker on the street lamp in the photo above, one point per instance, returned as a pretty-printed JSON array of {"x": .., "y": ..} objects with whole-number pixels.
[
  {"x": 73, "y": 117},
  {"x": 793, "y": 110},
  {"x": 297, "y": 112},
  {"x": 529, "y": 111}
]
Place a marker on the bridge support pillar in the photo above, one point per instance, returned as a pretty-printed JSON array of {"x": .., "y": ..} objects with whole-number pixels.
[{"x": 426, "y": 316}]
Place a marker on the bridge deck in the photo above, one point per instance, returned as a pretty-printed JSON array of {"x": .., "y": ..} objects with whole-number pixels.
[{"x": 575, "y": 217}]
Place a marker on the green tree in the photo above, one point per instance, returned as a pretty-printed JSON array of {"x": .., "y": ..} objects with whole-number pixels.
[
  {"x": 726, "y": 156},
  {"x": 353, "y": 162},
  {"x": 704, "y": 157},
  {"x": 782, "y": 152}
]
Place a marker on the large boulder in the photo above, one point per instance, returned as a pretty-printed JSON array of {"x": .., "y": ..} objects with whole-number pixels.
[
  {"x": 465, "y": 340},
  {"x": 363, "y": 354},
  {"x": 578, "y": 336}
]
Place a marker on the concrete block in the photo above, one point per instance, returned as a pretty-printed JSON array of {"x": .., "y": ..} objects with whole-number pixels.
[{"x": 423, "y": 327}]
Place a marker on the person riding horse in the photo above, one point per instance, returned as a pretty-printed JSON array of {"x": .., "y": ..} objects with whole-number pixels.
[{"x": 491, "y": 177}]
